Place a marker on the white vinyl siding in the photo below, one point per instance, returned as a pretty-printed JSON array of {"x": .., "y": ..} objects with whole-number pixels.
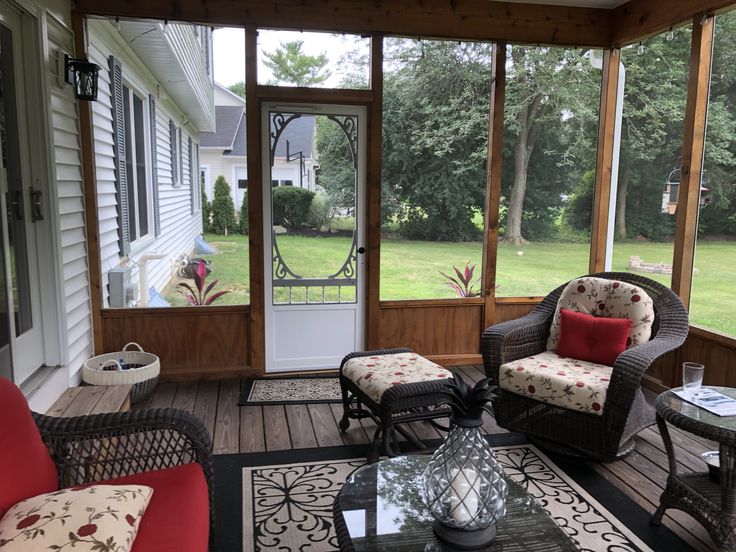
[
  {"x": 220, "y": 165},
  {"x": 66, "y": 151},
  {"x": 179, "y": 226}
]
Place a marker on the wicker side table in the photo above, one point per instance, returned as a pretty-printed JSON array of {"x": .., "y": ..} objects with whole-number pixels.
[{"x": 712, "y": 503}]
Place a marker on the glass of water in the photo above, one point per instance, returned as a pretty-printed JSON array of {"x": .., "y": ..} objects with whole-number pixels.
[{"x": 692, "y": 378}]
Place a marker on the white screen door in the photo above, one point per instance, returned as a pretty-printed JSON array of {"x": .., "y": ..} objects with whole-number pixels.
[{"x": 314, "y": 165}]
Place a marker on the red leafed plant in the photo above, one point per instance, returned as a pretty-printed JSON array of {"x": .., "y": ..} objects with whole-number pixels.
[
  {"x": 199, "y": 297},
  {"x": 464, "y": 283}
]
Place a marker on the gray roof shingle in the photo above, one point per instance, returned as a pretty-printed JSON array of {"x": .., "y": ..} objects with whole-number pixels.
[
  {"x": 299, "y": 132},
  {"x": 228, "y": 119}
]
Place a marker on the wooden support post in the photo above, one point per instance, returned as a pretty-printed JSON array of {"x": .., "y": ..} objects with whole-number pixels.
[
  {"x": 255, "y": 202},
  {"x": 693, "y": 145},
  {"x": 493, "y": 181},
  {"x": 604, "y": 161},
  {"x": 373, "y": 198},
  {"x": 89, "y": 178}
]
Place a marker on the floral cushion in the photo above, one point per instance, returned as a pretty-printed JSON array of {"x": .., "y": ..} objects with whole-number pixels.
[
  {"x": 374, "y": 374},
  {"x": 609, "y": 298},
  {"x": 101, "y": 518},
  {"x": 566, "y": 382}
]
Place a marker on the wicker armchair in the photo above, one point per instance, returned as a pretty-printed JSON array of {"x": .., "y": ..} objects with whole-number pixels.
[
  {"x": 94, "y": 448},
  {"x": 626, "y": 411}
]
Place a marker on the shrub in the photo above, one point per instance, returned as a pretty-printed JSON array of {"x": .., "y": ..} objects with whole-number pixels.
[
  {"x": 321, "y": 212},
  {"x": 440, "y": 226},
  {"x": 206, "y": 213},
  {"x": 223, "y": 210},
  {"x": 291, "y": 206},
  {"x": 244, "y": 214},
  {"x": 579, "y": 209}
]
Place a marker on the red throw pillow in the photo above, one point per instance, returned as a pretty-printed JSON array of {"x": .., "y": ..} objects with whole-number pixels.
[{"x": 592, "y": 338}]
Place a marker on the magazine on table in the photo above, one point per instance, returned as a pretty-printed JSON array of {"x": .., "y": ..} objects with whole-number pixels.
[{"x": 711, "y": 400}]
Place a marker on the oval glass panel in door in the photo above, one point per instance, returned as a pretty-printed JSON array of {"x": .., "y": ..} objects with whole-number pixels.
[{"x": 314, "y": 170}]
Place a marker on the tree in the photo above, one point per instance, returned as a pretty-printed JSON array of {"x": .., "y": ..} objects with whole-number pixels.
[
  {"x": 292, "y": 66},
  {"x": 244, "y": 214},
  {"x": 550, "y": 91},
  {"x": 435, "y": 137},
  {"x": 336, "y": 169},
  {"x": 651, "y": 133},
  {"x": 238, "y": 88},
  {"x": 719, "y": 218},
  {"x": 206, "y": 213},
  {"x": 223, "y": 209}
]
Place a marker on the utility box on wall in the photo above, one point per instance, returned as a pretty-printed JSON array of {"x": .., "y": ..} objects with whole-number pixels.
[{"x": 122, "y": 290}]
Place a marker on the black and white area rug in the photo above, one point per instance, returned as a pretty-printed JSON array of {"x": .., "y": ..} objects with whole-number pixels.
[
  {"x": 310, "y": 389},
  {"x": 283, "y": 500}
]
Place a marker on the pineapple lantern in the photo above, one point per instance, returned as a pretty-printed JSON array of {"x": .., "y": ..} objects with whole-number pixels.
[{"x": 464, "y": 486}]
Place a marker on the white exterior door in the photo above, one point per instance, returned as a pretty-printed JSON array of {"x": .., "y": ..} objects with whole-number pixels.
[
  {"x": 314, "y": 280},
  {"x": 21, "y": 330}
]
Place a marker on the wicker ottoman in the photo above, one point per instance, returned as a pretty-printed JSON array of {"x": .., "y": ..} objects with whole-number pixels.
[{"x": 391, "y": 386}]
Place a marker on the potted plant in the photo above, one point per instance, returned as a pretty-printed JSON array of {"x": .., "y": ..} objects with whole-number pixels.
[{"x": 199, "y": 294}]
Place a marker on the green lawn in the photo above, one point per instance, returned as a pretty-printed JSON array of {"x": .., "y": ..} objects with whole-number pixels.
[{"x": 410, "y": 269}]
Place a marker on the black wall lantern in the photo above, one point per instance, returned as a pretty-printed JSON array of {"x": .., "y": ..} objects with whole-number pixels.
[{"x": 81, "y": 74}]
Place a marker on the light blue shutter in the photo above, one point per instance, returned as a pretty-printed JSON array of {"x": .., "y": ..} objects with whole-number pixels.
[{"x": 119, "y": 151}]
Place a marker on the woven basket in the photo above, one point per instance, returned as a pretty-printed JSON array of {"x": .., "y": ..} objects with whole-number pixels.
[{"x": 138, "y": 368}]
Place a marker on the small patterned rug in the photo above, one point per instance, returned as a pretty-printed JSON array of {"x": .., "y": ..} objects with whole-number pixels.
[
  {"x": 285, "y": 502},
  {"x": 311, "y": 389}
]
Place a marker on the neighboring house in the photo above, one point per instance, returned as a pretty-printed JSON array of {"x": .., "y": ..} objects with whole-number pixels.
[
  {"x": 155, "y": 97},
  {"x": 223, "y": 152}
]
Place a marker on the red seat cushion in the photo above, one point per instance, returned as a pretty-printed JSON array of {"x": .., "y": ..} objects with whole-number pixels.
[
  {"x": 26, "y": 468},
  {"x": 177, "y": 518},
  {"x": 592, "y": 338}
]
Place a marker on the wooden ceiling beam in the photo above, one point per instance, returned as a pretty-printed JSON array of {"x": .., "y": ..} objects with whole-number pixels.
[
  {"x": 453, "y": 19},
  {"x": 637, "y": 20}
]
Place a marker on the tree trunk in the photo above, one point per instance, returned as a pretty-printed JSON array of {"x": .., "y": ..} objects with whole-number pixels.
[
  {"x": 623, "y": 189},
  {"x": 516, "y": 201},
  {"x": 522, "y": 152}
]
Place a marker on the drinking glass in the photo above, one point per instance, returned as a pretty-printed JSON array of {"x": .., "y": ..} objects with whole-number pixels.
[{"x": 692, "y": 378}]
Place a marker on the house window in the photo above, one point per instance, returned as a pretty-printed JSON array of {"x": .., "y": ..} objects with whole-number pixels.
[
  {"x": 136, "y": 164},
  {"x": 204, "y": 179},
  {"x": 287, "y": 182},
  {"x": 242, "y": 183},
  {"x": 274, "y": 183}
]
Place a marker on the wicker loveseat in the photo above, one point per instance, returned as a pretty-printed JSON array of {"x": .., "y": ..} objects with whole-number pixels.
[
  {"x": 168, "y": 450},
  {"x": 609, "y": 434}
]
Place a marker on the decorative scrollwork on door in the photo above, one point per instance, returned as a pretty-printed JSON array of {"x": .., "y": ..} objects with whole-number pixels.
[{"x": 283, "y": 275}]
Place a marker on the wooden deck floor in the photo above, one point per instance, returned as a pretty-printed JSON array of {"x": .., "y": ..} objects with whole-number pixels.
[{"x": 234, "y": 429}]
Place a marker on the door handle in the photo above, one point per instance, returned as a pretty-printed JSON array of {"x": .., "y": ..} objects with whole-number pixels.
[
  {"x": 36, "y": 207},
  {"x": 361, "y": 250}
]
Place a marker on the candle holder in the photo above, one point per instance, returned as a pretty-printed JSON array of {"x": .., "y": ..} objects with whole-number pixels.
[{"x": 464, "y": 486}]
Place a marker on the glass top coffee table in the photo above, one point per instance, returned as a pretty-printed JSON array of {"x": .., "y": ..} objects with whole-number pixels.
[
  {"x": 711, "y": 502},
  {"x": 380, "y": 508}
]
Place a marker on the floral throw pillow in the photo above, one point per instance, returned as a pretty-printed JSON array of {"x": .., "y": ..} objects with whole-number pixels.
[
  {"x": 607, "y": 299},
  {"x": 101, "y": 518}
]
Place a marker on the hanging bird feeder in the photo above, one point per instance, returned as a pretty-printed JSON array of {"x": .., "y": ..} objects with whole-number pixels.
[{"x": 671, "y": 191}]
